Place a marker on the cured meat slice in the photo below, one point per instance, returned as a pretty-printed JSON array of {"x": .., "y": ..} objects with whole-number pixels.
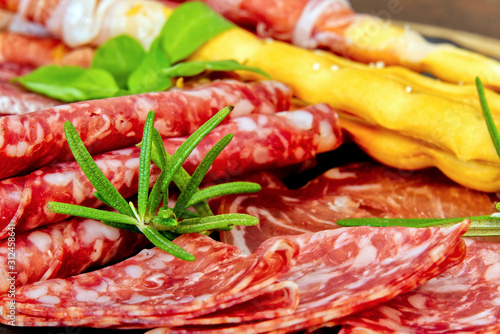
[
  {"x": 263, "y": 142},
  {"x": 156, "y": 284},
  {"x": 284, "y": 139},
  {"x": 15, "y": 101},
  {"x": 65, "y": 249},
  {"x": 38, "y": 51},
  {"x": 65, "y": 182},
  {"x": 343, "y": 271},
  {"x": 10, "y": 195},
  {"x": 463, "y": 299},
  {"x": 96, "y": 21},
  {"x": 354, "y": 191},
  {"x": 30, "y": 141},
  {"x": 10, "y": 70}
]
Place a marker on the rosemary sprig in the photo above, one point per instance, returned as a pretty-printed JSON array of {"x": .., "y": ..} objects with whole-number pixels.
[
  {"x": 488, "y": 225},
  {"x": 161, "y": 224}
]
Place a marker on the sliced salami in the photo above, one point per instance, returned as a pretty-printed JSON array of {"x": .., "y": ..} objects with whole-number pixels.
[
  {"x": 463, "y": 299},
  {"x": 16, "y": 101},
  {"x": 157, "y": 285},
  {"x": 33, "y": 140},
  {"x": 343, "y": 271},
  {"x": 10, "y": 70},
  {"x": 65, "y": 182},
  {"x": 10, "y": 195},
  {"x": 336, "y": 274},
  {"x": 282, "y": 140},
  {"x": 66, "y": 249},
  {"x": 263, "y": 142},
  {"x": 354, "y": 191}
]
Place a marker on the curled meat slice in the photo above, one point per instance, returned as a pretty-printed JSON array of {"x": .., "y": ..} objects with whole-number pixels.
[
  {"x": 463, "y": 299},
  {"x": 354, "y": 191},
  {"x": 65, "y": 249},
  {"x": 154, "y": 286},
  {"x": 36, "y": 139},
  {"x": 344, "y": 271}
]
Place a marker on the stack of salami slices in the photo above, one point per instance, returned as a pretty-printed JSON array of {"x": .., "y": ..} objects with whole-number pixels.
[{"x": 36, "y": 164}]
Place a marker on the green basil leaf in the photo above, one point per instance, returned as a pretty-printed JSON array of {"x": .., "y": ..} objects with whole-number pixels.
[
  {"x": 70, "y": 83},
  {"x": 189, "y": 27},
  {"x": 148, "y": 76},
  {"x": 192, "y": 68},
  {"x": 119, "y": 56}
]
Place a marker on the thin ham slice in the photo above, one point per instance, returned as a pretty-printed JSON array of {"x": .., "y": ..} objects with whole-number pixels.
[
  {"x": 66, "y": 249},
  {"x": 36, "y": 139},
  {"x": 463, "y": 299},
  {"x": 354, "y": 191}
]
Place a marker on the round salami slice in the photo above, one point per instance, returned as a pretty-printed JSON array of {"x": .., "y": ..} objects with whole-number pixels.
[
  {"x": 354, "y": 191},
  {"x": 36, "y": 139},
  {"x": 463, "y": 299},
  {"x": 66, "y": 249}
]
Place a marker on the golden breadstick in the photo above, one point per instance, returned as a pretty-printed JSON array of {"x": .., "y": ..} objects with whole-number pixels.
[
  {"x": 403, "y": 152},
  {"x": 369, "y": 38},
  {"x": 437, "y": 114}
]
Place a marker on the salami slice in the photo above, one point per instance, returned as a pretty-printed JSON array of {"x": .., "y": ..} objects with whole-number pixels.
[
  {"x": 65, "y": 249},
  {"x": 343, "y": 271},
  {"x": 263, "y": 142},
  {"x": 10, "y": 70},
  {"x": 10, "y": 194},
  {"x": 30, "y": 141},
  {"x": 16, "y": 101},
  {"x": 155, "y": 284},
  {"x": 65, "y": 182},
  {"x": 283, "y": 140},
  {"x": 354, "y": 191},
  {"x": 463, "y": 299}
]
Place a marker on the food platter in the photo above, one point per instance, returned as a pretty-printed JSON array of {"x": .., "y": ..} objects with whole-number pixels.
[{"x": 298, "y": 177}]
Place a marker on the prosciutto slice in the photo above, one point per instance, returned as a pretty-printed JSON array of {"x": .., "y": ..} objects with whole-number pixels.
[
  {"x": 354, "y": 191},
  {"x": 66, "y": 249},
  {"x": 283, "y": 139},
  {"x": 154, "y": 287},
  {"x": 463, "y": 299},
  {"x": 343, "y": 271},
  {"x": 35, "y": 51},
  {"x": 33, "y": 140}
]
